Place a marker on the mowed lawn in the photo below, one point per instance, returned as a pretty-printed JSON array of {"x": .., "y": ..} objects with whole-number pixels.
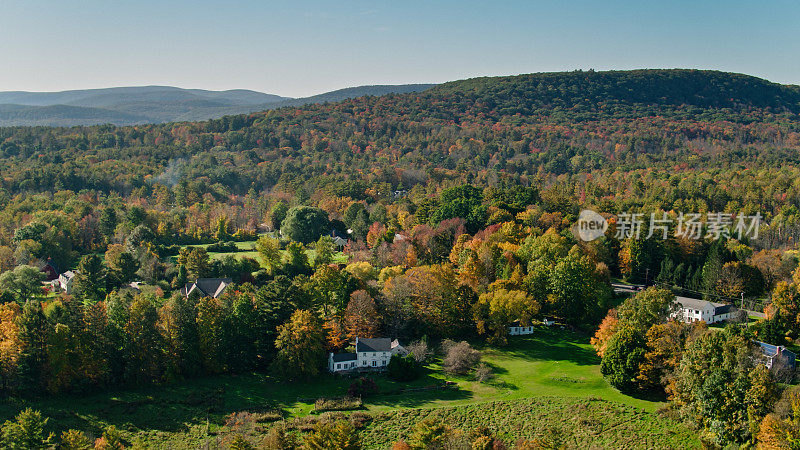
[
  {"x": 550, "y": 363},
  {"x": 248, "y": 249}
]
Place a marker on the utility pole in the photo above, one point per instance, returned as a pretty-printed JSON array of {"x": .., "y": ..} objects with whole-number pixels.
[{"x": 742, "y": 304}]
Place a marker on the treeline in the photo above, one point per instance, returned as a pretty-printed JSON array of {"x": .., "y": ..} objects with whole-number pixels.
[{"x": 716, "y": 379}]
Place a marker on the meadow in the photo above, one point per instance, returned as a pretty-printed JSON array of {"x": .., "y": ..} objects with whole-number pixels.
[
  {"x": 546, "y": 373},
  {"x": 248, "y": 249}
]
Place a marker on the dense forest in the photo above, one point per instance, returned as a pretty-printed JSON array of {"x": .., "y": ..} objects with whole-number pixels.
[{"x": 459, "y": 198}]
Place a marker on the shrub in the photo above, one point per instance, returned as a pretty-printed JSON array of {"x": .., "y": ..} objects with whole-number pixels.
[
  {"x": 419, "y": 350},
  {"x": 401, "y": 445},
  {"x": 74, "y": 440},
  {"x": 483, "y": 373},
  {"x": 26, "y": 431},
  {"x": 340, "y": 435},
  {"x": 337, "y": 404},
  {"x": 429, "y": 434},
  {"x": 362, "y": 387},
  {"x": 240, "y": 443},
  {"x": 223, "y": 247},
  {"x": 278, "y": 438},
  {"x": 459, "y": 357},
  {"x": 360, "y": 419},
  {"x": 403, "y": 368},
  {"x": 111, "y": 440}
]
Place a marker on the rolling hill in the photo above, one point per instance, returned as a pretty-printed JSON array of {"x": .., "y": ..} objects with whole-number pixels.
[{"x": 156, "y": 104}]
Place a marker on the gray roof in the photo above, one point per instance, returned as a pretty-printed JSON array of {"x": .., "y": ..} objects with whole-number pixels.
[
  {"x": 696, "y": 303},
  {"x": 208, "y": 287},
  {"x": 342, "y": 357},
  {"x": 374, "y": 345}
]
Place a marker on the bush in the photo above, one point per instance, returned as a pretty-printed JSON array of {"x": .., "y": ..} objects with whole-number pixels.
[
  {"x": 337, "y": 404},
  {"x": 459, "y": 357},
  {"x": 279, "y": 438},
  {"x": 483, "y": 373},
  {"x": 26, "y": 431},
  {"x": 403, "y": 368},
  {"x": 340, "y": 435},
  {"x": 360, "y": 419},
  {"x": 223, "y": 247},
  {"x": 419, "y": 350},
  {"x": 75, "y": 440},
  {"x": 362, "y": 387},
  {"x": 168, "y": 250}
]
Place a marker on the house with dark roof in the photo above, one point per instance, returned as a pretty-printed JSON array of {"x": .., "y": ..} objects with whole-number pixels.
[
  {"x": 777, "y": 354},
  {"x": 370, "y": 354},
  {"x": 694, "y": 310},
  {"x": 206, "y": 287}
]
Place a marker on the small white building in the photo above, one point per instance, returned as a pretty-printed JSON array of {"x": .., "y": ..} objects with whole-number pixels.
[
  {"x": 516, "y": 329},
  {"x": 65, "y": 281},
  {"x": 694, "y": 310},
  {"x": 370, "y": 354}
]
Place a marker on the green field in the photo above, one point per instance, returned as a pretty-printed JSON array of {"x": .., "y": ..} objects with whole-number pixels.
[
  {"x": 248, "y": 249},
  {"x": 551, "y": 364}
]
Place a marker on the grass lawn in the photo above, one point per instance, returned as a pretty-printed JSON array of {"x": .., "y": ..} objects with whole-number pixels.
[
  {"x": 551, "y": 363},
  {"x": 248, "y": 249}
]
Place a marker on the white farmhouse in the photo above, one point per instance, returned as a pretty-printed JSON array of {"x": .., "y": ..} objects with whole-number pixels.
[
  {"x": 695, "y": 310},
  {"x": 371, "y": 354},
  {"x": 65, "y": 281},
  {"x": 516, "y": 328}
]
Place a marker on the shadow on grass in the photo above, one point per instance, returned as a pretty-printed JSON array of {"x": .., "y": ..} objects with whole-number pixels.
[
  {"x": 496, "y": 370},
  {"x": 412, "y": 399},
  {"x": 503, "y": 385},
  {"x": 175, "y": 407},
  {"x": 552, "y": 344}
]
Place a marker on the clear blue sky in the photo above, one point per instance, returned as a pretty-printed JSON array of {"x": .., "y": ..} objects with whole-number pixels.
[{"x": 298, "y": 48}]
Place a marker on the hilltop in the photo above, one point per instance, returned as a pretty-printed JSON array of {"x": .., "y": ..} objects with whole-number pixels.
[
  {"x": 628, "y": 94},
  {"x": 156, "y": 104}
]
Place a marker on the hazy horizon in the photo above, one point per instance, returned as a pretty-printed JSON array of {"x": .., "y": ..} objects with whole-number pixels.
[{"x": 301, "y": 49}]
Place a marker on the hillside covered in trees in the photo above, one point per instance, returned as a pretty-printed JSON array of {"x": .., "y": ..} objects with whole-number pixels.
[{"x": 459, "y": 198}]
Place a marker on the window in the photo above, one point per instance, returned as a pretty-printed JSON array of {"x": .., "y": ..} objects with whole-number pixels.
[
  {"x": 338, "y": 366},
  {"x": 374, "y": 363}
]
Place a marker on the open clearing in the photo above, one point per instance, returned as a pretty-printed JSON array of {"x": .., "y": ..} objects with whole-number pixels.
[{"x": 548, "y": 374}]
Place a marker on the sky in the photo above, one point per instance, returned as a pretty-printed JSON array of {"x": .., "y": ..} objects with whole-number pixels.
[{"x": 300, "y": 48}]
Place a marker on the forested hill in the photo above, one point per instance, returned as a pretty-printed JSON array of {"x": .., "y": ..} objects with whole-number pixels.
[
  {"x": 733, "y": 140},
  {"x": 580, "y": 94}
]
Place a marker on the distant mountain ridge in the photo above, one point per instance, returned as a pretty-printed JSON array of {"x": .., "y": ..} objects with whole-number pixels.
[{"x": 157, "y": 104}]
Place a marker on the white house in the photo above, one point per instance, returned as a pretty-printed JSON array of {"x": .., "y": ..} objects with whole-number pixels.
[
  {"x": 516, "y": 329},
  {"x": 695, "y": 310},
  {"x": 65, "y": 281},
  {"x": 371, "y": 354}
]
